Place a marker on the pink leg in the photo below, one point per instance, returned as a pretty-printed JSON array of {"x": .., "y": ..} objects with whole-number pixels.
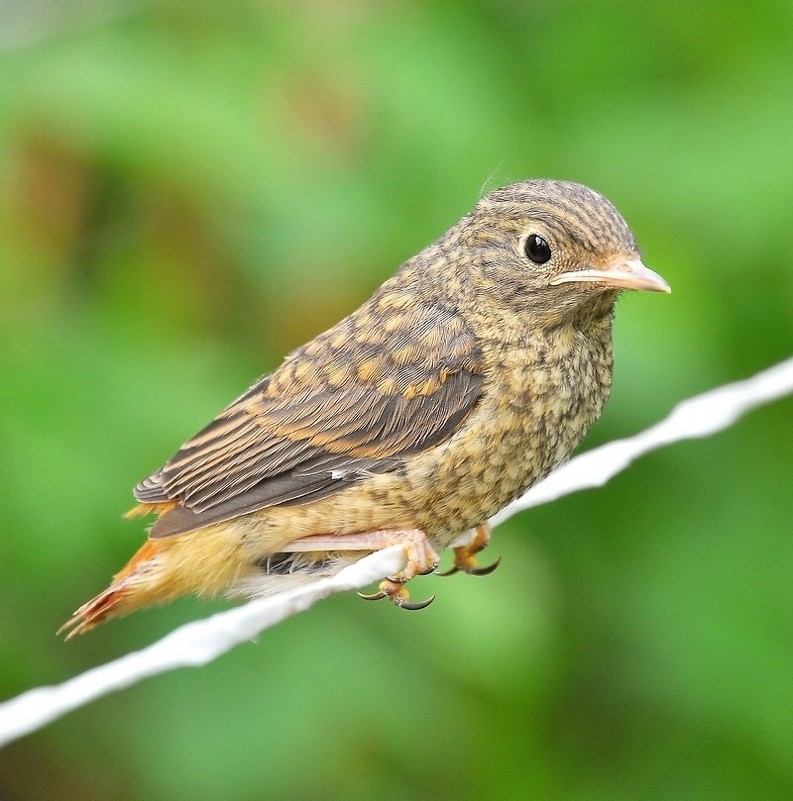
[{"x": 421, "y": 557}]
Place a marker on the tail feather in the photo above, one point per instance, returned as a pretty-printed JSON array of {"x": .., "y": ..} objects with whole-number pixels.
[
  {"x": 165, "y": 569},
  {"x": 124, "y": 595},
  {"x": 94, "y": 612}
]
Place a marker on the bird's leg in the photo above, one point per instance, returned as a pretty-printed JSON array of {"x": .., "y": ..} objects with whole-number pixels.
[
  {"x": 421, "y": 558},
  {"x": 465, "y": 555}
]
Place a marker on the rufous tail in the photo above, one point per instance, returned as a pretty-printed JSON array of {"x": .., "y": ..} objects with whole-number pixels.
[
  {"x": 134, "y": 586},
  {"x": 204, "y": 564}
]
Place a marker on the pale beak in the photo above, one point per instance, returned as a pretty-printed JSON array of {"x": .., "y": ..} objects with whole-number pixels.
[{"x": 618, "y": 274}]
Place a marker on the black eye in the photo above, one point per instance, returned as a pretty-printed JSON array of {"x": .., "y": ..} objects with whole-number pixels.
[{"x": 537, "y": 249}]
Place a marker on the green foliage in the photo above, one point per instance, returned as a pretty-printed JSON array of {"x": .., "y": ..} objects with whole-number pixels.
[{"x": 188, "y": 190}]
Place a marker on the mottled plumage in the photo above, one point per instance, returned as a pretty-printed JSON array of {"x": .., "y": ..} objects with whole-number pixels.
[{"x": 468, "y": 376}]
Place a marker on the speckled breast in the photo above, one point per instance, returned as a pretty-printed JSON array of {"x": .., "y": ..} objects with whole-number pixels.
[{"x": 539, "y": 402}]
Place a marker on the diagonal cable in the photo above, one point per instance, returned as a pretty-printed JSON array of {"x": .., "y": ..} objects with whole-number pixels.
[{"x": 197, "y": 643}]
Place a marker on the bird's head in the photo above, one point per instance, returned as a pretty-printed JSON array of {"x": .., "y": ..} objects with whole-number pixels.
[{"x": 554, "y": 248}]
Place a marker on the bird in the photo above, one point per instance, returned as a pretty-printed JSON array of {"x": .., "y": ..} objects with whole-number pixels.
[{"x": 465, "y": 378}]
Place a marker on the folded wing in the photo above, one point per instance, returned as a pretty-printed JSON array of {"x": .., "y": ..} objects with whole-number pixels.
[{"x": 352, "y": 402}]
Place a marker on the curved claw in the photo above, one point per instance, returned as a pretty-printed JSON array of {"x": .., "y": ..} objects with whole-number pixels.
[
  {"x": 472, "y": 571},
  {"x": 484, "y": 571},
  {"x": 427, "y": 570},
  {"x": 413, "y": 607},
  {"x": 375, "y": 596}
]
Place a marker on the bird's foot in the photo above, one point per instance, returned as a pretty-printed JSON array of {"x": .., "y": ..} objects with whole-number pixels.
[
  {"x": 465, "y": 555},
  {"x": 420, "y": 555}
]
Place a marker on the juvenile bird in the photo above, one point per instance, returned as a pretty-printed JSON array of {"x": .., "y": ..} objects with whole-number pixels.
[{"x": 466, "y": 377}]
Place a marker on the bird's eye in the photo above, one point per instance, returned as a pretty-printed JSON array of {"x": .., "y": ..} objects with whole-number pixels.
[{"x": 537, "y": 249}]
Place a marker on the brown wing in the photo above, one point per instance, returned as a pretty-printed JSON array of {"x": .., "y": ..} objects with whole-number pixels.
[{"x": 350, "y": 403}]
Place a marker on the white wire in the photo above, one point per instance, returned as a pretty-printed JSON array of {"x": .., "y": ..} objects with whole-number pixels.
[{"x": 200, "y": 642}]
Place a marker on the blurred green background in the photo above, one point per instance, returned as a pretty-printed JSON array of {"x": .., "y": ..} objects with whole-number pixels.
[{"x": 190, "y": 189}]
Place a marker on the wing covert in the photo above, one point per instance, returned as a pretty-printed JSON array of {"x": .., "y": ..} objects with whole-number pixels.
[{"x": 352, "y": 402}]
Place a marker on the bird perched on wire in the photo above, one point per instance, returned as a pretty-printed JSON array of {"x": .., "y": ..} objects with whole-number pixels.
[{"x": 466, "y": 377}]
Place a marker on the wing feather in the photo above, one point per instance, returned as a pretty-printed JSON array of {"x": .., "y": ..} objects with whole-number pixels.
[{"x": 353, "y": 402}]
